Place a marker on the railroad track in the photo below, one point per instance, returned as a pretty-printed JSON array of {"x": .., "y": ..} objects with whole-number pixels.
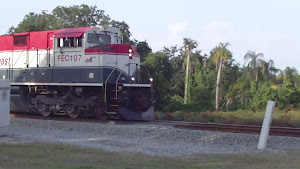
[
  {"x": 279, "y": 131},
  {"x": 252, "y": 129}
]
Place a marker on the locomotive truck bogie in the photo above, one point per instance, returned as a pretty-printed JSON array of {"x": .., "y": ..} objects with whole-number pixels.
[{"x": 72, "y": 101}]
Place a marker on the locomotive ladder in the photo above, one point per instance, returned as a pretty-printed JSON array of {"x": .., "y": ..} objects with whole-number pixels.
[
  {"x": 112, "y": 105},
  {"x": 105, "y": 92},
  {"x": 114, "y": 98}
]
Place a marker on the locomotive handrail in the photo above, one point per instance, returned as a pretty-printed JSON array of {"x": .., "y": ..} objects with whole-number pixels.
[
  {"x": 118, "y": 80},
  {"x": 117, "y": 83},
  {"x": 105, "y": 87}
]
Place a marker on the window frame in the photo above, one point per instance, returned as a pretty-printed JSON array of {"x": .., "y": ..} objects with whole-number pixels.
[
  {"x": 107, "y": 35},
  {"x": 15, "y": 38},
  {"x": 76, "y": 41}
]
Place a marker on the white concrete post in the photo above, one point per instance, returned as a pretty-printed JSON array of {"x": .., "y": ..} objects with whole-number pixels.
[
  {"x": 4, "y": 102},
  {"x": 264, "y": 134}
]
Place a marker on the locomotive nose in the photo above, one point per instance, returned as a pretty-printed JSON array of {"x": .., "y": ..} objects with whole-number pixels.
[{"x": 136, "y": 104}]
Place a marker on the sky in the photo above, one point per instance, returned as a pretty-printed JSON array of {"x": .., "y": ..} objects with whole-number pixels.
[{"x": 271, "y": 27}]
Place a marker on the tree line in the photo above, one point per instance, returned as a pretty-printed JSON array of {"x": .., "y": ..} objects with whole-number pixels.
[{"x": 186, "y": 78}]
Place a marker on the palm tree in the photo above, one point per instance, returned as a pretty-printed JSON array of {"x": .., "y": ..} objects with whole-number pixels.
[
  {"x": 289, "y": 74},
  {"x": 189, "y": 45},
  {"x": 235, "y": 93},
  {"x": 255, "y": 64},
  {"x": 268, "y": 70},
  {"x": 220, "y": 55},
  {"x": 280, "y": 76}
]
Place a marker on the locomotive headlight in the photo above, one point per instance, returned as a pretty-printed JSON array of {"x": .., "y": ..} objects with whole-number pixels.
[
  {"x": 132, "y": 78},
  {"x": 151, "y": 79},
  {"x": 130, "y": 53}
]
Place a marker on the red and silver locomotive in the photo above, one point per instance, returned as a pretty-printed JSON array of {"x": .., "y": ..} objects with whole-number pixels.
[{"x": 77, "y": 71}]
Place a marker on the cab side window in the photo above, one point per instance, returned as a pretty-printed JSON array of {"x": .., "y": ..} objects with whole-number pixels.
[
  {"x": 20, "y": 40},
  {"x": 69, "y": 42},
  {"x": 79, "y": 41}
]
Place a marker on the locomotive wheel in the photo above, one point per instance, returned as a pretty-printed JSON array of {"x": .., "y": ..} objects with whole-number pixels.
[
  {"x": 43, "y": 110},
  {"x": 99, "y": 112},
  {"x": 104, "y": 116},
  {"x": 46, "y": 113},
  {"x": 73, "y": 112}
]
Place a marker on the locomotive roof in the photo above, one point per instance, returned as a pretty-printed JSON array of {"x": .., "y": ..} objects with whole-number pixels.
[
  {"x": 57, "y": 31},
  {"x": 38, "y": 39},
  {"x": 71, "y": 32},
  {"x": 44, "y": 39}
]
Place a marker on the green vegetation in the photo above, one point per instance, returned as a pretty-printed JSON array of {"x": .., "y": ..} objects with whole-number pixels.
[
  {"x": 185, "y": 79},
  {"x": 68, "y": 157},
  {"x": 239, "y": 87}
]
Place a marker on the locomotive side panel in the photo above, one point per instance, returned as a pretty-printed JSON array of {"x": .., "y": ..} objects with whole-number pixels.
[
  {"x": 11, "y": 63},
  {"x": 76, "y": 75},
  {"x": 39, "y": 48},
  {"x": 36, "y": 58}
]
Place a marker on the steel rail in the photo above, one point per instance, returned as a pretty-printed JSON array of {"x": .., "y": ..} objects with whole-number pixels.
[{"x": 253, "y": 129}]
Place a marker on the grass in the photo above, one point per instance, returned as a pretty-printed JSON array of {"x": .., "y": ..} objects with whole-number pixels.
[
  {"x": 53, "y": 156},
  {"x": 289, "y": 118}
]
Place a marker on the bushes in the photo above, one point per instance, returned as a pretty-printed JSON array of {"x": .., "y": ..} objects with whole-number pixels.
[
  {"x": 176, "y": 104},
  {"x": 260, "y": 97},
  {"x": 285, "y": 95}
]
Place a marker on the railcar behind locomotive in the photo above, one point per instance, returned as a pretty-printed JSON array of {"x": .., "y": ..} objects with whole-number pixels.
[{"x": 76, "y": 71}]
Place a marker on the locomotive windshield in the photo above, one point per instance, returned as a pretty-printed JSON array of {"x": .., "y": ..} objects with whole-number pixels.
[{"x": 99, "y": 38}]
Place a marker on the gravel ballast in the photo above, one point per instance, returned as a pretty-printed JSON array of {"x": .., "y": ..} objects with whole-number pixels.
[{"x": 146, "y": 138}]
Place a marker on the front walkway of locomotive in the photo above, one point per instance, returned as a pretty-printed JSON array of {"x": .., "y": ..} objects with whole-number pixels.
[{"x": 76, "y": 72}]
